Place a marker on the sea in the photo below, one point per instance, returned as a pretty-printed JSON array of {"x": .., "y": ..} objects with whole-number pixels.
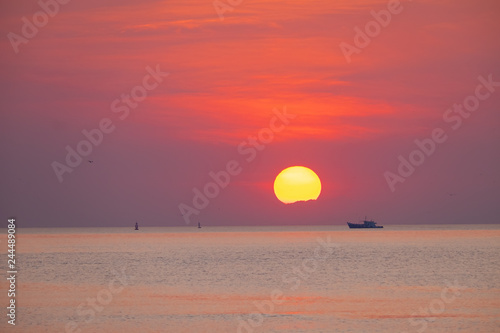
[{"x": 425, "y": 278}]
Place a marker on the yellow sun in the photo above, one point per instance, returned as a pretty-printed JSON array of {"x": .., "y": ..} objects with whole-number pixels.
[{"x": 297, "y": 183}]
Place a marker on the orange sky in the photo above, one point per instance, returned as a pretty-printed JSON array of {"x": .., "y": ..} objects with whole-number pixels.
[{"x": 226, "y": 77}]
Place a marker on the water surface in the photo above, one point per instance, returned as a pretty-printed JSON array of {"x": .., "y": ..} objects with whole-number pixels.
[{"x": 328, "y": 278}]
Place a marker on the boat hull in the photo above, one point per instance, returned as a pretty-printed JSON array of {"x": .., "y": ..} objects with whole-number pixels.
[{"x": 363, "y": 226}]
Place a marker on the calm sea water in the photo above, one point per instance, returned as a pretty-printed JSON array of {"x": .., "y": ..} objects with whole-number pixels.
[{"x": 257, "y": 279}]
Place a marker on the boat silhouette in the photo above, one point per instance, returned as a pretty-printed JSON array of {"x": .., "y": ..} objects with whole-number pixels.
[{"x": 366, "y": 224}]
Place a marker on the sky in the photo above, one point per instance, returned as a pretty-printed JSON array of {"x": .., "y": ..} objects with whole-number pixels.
[{"x": 176, "y": 90}]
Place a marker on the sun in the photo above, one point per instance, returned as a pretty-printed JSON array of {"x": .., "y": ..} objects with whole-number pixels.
[{"x": 297, "y": 183}]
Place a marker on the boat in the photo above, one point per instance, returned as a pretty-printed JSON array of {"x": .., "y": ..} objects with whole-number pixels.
[
  {"x": 199, "y": 225},
  {"x": 366, "y": 224}
]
